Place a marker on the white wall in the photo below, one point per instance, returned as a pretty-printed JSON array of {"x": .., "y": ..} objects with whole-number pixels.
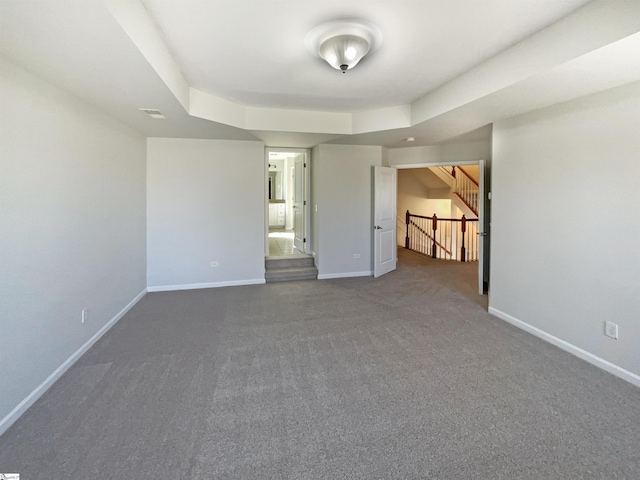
[
  {"x": 550, "y": 169},
  {"x": 462, "y": 151},
  {"x": 342, "y": 190},
  {"x": 205, "y": 203},
  {"x": 449, "y": 152},
  {"x": 411, "y": 192},
  {"x": 415, "y": 196},
  {"x": 72, "y": 208},
  {"x": 412, "y": 155}
]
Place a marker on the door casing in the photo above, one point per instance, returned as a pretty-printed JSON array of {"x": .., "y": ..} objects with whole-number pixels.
[
  {"x": 483, "y": 223},
  {"x": 307, "y": 193}
]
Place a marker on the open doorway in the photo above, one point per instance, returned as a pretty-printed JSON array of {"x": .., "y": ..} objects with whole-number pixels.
[
  {"x": 287, "y": 192},
  {"x": 446, "y": 213}
]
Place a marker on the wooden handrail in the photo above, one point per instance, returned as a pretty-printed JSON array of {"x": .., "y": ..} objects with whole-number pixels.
[
  {"x": 420, "y": 229},
  {"x": 427, "y": 237},
  {"x": 467, "y": 174},
  {"x": 444, "y": 219},
  {"x": 468, "y": 205}
]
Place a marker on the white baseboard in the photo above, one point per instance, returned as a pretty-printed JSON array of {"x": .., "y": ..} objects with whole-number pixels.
[
  {"x": 197, "y": 286},
  {"x": 30, "y": 399},
  {"x": 568, "y": 347},
  {"x": 327, "y": 276}
]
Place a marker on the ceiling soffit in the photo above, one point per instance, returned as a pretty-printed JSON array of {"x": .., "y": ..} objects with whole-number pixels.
[{"x": 574, "y": 36}]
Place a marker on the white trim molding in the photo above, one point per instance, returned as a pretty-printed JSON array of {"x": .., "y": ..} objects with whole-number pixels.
[
  {"x": 198, "y": 286},
  {"x": 30, "y": 399},
  {"x": 439, "y": 163},
  {"x": 570, "y": 348},
  {"x": 328, "y": 276}
]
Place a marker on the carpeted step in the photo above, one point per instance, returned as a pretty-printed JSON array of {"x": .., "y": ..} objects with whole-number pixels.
[
  {"x": 291, "y": 273},
  {"x": 288, "y": 262}
]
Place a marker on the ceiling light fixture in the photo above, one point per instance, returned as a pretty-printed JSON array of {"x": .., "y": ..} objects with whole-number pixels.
[{"x": 343, "y": 43}]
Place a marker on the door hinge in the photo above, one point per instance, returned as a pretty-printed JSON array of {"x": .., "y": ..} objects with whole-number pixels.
[
  {"x": 304, "y": 240},
  {"x": 304, "y": 203},
  {"x": 305, "y": 165}
]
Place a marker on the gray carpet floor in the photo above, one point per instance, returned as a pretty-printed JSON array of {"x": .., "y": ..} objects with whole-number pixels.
[{"x": 401, "y": 377}]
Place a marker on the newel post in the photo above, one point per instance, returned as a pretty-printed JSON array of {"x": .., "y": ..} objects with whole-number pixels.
[
  {"x": 434, "y": 225},
  {"x": 406, "y": 238},
  {"x": 463, "y": 252}
]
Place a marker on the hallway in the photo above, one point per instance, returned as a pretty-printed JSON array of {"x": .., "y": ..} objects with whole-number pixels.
[{"x": 281, "y": 243}]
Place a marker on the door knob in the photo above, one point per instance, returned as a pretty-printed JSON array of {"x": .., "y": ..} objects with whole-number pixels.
[{"x": 377, "y": 228}]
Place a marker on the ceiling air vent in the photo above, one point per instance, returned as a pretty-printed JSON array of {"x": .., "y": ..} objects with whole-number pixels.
[{"x": 152, "y": 112}]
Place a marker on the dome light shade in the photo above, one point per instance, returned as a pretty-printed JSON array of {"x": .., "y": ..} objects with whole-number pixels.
[
  {"x": 344, "y": 43},
  {"x": 343, "y": 52}
]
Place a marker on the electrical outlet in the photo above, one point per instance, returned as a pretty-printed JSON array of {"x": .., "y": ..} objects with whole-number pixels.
[
  {"x": 356, "y": 255},
  {"x": 85, "y": 314},
  {"x": 611, "y": 329},
  {"x": 214, "y": 264}
]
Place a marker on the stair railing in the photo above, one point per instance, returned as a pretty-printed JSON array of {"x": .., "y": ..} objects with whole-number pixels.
[
  {"x": 451, "y": 171},
  {"x": 466, "y": 188},
  {"x": 443, "y": 238}
]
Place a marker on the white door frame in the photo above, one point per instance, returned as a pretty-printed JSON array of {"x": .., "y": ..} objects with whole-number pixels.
[
  {"x": 307, "y": 194},
  {"x": 482, "y": 204}
]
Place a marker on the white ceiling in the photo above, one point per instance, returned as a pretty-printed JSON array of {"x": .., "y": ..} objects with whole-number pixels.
[
  {"x": 79, "y": 47},
  {"x": 446, "y": 68},
  {"x": 252, "y": 51}
]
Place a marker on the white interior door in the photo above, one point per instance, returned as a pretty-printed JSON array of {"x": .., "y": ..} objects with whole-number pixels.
[
  {"x": 385, "y": 249},
  {"x": 481, "y": 230},
  {"x": 299, "y": 184}
]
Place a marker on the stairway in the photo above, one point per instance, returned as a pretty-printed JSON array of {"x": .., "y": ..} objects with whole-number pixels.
[
  {"x": 463, "y": 187},
  {"x": 288, "y": 268},
  {"x": 467, "y": 204}
]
